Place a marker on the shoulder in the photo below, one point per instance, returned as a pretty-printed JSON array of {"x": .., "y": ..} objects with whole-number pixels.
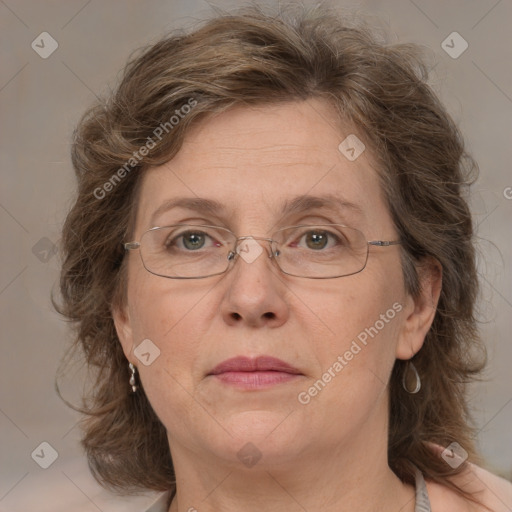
[
  {"x": 490, "y": 490},
  {"x": 496, "y": 492}
]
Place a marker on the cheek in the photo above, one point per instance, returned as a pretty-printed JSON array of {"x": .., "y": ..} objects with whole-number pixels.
[
  {"x": 169, "y": 320},
  {"x": 364, "y": 322},
  {"x": 158, "y": 305},
  {"x": 355, "y": 366},
  {"x": 164, "y": 315}
]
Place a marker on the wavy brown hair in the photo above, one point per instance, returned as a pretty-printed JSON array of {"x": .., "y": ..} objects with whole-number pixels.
[{"x": 253, "y": 58}]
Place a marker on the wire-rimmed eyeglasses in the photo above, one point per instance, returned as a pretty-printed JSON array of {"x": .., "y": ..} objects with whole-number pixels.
[{"x": 318, "y": 251}]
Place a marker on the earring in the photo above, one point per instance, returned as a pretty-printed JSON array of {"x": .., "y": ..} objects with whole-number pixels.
[
  {"x": 411, "y": 381},
  {"x": 132, "y": 377}
]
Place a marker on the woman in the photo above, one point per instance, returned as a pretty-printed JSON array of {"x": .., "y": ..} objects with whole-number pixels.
[{"x": 271, "y": 268}]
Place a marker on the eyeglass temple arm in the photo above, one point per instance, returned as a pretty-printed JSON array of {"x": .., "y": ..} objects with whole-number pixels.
[{"x": 384, "y": 243}]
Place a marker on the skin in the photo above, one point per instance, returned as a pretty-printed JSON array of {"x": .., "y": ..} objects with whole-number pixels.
[{"x": 330, "y": 454}]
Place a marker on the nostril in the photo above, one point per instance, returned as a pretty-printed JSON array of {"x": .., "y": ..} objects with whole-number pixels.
[
  {"x": 236, "y": 316},
  {"x": 269, "y": 315}
]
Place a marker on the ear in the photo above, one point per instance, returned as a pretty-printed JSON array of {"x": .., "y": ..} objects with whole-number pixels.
[
  {"x": 122, "y": 322},
  {"x": 419, "y": 312}
]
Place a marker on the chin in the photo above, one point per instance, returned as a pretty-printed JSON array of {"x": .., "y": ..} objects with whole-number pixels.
[{"x": 270, "y": 437}]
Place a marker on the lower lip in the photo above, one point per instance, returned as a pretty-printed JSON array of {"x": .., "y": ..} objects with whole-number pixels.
[{"x": 255, "y": 380}]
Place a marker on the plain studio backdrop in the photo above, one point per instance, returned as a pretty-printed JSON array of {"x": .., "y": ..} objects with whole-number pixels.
[{"x": 56, "y": 57}]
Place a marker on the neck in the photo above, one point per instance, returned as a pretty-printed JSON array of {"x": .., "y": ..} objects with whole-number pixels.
[{"x": 356, "y": 476}]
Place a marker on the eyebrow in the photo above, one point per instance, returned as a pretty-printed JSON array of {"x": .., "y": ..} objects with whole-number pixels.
[
  {"x": 328, "y": 201},
  {"x": 199, "y": 204},
  {"x": 296, "y": 205}
]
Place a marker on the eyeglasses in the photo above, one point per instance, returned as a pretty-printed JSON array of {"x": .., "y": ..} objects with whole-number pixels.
[{"x": 320, "y": 251}]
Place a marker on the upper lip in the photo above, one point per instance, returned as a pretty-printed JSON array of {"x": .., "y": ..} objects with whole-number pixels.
[{"x": 255, "y": 364}]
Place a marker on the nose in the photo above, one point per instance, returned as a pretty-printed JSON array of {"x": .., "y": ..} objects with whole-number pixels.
[{"x": 255, "y": 294}]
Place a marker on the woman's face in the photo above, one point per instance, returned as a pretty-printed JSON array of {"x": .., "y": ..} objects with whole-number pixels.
[{"x": 341, "y": 335}]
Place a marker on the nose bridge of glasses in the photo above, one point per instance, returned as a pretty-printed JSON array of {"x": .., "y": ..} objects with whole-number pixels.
[{"x": 250, "y": 247}]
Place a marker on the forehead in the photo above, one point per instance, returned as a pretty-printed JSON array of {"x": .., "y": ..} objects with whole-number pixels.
[{"x": 254, "y": 162}]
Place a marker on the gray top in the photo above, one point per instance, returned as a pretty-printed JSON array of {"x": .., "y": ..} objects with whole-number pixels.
[{"x": 422, "y": 501}]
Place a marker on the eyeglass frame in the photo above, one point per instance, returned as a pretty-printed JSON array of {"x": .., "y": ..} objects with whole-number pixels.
[{"x": 129, "y": 246}]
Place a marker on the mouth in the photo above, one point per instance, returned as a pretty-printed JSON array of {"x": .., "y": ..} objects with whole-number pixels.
[{"x": 254, "y": 373}]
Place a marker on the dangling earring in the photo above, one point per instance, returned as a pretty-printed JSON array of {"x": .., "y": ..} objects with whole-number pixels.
[
  {"x": 132, "y": 378},
  {"x": 411, "y": 381}
]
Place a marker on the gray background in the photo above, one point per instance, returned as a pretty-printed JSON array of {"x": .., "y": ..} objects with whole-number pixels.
[{"x": 41, "y": 101}]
